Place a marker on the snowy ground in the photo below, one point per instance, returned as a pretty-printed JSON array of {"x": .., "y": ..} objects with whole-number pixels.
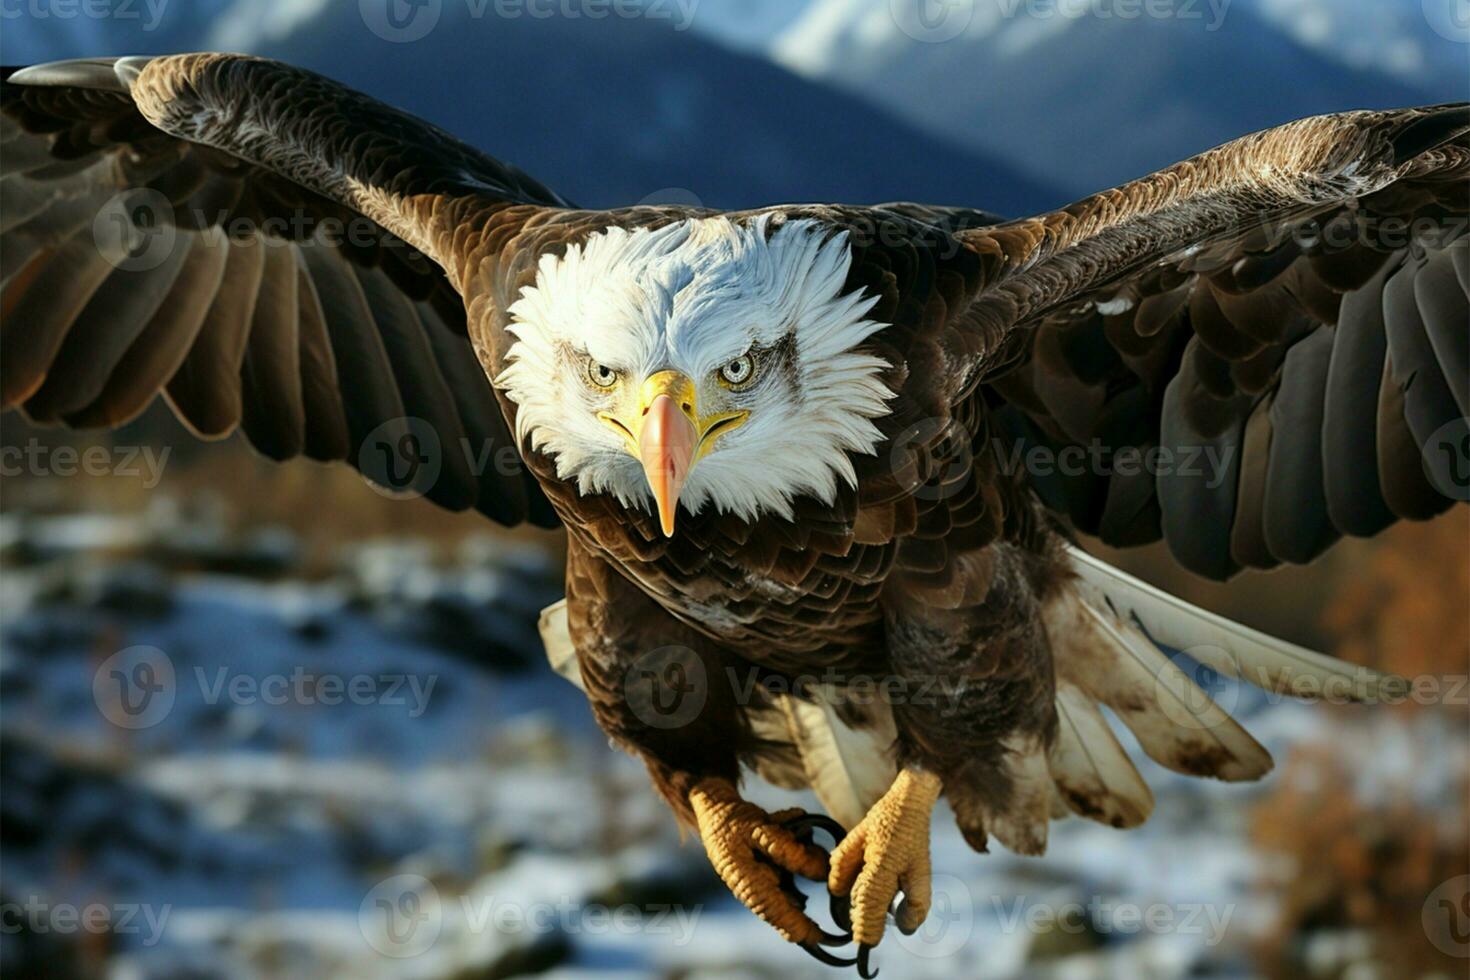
[{"x": 211, "y": 768}]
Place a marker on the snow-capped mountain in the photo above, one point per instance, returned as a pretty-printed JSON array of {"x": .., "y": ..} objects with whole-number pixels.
[
  {"x": 1425, "y": 42},
  {"x": 1088, "y": 99},
  {"x": 1422, "y": 42},
  {"x": 609, "y": 111}
]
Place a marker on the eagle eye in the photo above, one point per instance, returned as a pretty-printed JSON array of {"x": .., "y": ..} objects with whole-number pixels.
[
  {"x": 739, "y": 372},
  {"x": 601, "y": 375}
]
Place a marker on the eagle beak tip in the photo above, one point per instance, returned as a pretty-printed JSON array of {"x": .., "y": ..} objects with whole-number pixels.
[{"x": 666, "y": 446}]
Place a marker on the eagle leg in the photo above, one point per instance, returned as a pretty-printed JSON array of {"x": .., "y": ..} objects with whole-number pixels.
[
  {"x": 750, "y": 849},
  {"x": 888, "y": 852}
]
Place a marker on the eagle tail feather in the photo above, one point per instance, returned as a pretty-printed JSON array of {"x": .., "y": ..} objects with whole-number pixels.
[
  {"x": 1176, "y": 723},
  {"x": 1228, "y": 647},
  {"x": 1090, "y": 769},
  {"x": 1106, "y": 629}
]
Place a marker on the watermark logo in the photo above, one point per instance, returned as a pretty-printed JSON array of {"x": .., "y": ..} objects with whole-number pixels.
[
  {"x": 671, "y": 197},
  {"x": 135, "y": 688},
  {"x": 35, "y": 458},
  {"x": 150, "y": 12},
  {"x": 928, "y": 437},
  {"x": 1450, "y": 19},
  {"x": 936, "y": 21},
  {"x": 666, "y": 687},
  {"x": 401, "y": 916},
  {"x": 571, "y": 917},
  {"x": 1446, "y": 917},
  {"x": 403, "y": 457},
  {"x": 932, "y": 21},
  {"x": 950, "y": 924},
  {"x": 410, "y": 692},
  {"x": 403, "y": 21},
  {"x": 400, "y": 21},
  {"x": 1447, "y": 459},
  {"x": 1187, "y": 704},
  {"x": 1107, "y": 916},
  {"x": 39, "y": 916},
  {"x": 134, "y": 230}
]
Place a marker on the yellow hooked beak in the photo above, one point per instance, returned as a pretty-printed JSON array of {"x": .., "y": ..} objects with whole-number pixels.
[{"x": 669, "y": 436}]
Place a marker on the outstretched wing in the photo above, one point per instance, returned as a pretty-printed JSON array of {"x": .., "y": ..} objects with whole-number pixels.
[
  {"x": 1251, "y": 353},
  {"x": 267, "y": 249}
]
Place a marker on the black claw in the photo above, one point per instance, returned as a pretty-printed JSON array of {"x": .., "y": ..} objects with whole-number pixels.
[
  {"x": 807, "y": 822},
  {"x": 802, "y": 825},
  {"x": 862, "y": 962},
  {"x": 832, "y": 939},
  {"x": 822, "y": 956},
  {"x": 840, "y": 908},
  {"x": 898, "y": 914}
]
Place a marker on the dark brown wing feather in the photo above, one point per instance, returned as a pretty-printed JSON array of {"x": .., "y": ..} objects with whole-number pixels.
[
  {"x": 249, "y": 300},
  {"x": 1284, "y": 318}
]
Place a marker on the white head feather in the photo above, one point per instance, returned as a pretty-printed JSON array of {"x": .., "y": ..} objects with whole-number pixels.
[{"x": 693, "y": 296}]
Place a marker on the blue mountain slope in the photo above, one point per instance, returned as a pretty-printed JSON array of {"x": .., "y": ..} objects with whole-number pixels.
[
  {"x": 611, "y": 111},
  {"x": 1090, "y": 101}
]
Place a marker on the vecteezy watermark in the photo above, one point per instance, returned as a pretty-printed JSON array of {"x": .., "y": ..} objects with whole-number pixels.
[
  {"x": 1188, "y": 700},
  {"x": 1108, "y": 916},
  {"x": 150, "y": 12},
  {"x": 405, "y": 457},
  {"x": 404, "y": 915},
  {"x": 308, "y": 687},
  {"x": 566, "y": 916},
  {"x": 935, "y": 21},
  {"x": 932, "y": 21},
  {"x": 137, "y": 230},
  {"x": 1447, "y": 459},
  {"x": 942, "y": 438},
  {"x": 39, "y": 916},
  {"x": 404, "y": 21},
  {"x": 950, "y": 923},
  {"x": 944, "y": 695},
  {"x": 948, "y": 442},
  {"x": 1450, "y": 19},
  {"x": 137, "y": 688},
  {"x": 1347, "y": 229},
  {"x": 34, "y": 458},
  {"x": 1211, "y": 12},
  {"x": 666, "y": 687},
  {"x": 666, "y": 196},
  {"x": 1446, "y": 917},
  {"x": 1209, "y": 463},
  {"x": 401, "y": 916}
]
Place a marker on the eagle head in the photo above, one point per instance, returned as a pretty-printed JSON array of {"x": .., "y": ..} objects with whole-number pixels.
[{"x": 706, "y": 362}]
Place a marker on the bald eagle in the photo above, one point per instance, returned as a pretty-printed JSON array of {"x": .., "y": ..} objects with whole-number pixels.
[{"x": 821, "y": 468}]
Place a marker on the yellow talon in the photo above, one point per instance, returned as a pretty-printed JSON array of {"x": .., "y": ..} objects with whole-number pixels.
[
  {"x": 734, "y": 833},
  {"x": 888, "y": 852}
]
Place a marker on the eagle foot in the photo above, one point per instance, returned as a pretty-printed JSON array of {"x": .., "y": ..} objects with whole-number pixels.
[
  {"x": 887, "y": 852},
  {"x": 758, "y": 854}
]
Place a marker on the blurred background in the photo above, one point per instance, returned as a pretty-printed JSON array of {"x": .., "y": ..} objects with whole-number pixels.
[{"x": 348, "y": 757}]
